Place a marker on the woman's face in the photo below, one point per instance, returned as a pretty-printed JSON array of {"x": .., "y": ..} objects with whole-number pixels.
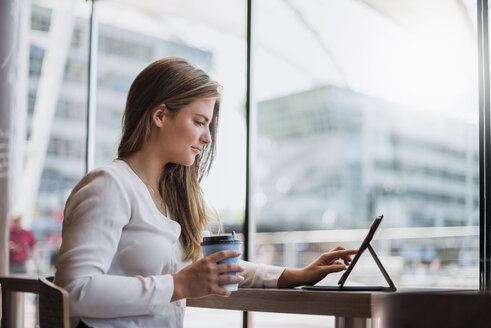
[{"x": 184, "y": 134}]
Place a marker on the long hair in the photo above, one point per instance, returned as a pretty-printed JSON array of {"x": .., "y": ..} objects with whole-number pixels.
[{"x": 175, "y": 83}]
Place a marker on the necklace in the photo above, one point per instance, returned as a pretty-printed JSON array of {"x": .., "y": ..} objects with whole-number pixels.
[
  {"x": 149, "y": 187},
  {"x": 162, "y": 206}
]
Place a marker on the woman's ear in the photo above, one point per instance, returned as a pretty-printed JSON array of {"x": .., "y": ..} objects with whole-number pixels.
[{"x": 159, "y": 115}]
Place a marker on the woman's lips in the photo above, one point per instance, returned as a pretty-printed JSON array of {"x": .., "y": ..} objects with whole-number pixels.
[{"x": 196, "y": 150}]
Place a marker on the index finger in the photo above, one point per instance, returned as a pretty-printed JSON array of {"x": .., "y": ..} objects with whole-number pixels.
[
  {"x": 218, "y": 256},
  {"x": 343, "y": 253}
]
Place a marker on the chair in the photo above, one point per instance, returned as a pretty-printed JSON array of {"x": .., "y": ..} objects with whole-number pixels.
[
  {"x": 53, "y": 305},
  {"x": 10, "y": 286},
  {"x": 53, "y": 300}
]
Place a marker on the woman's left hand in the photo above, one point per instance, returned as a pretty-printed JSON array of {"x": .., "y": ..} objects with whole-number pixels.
[{"x": 334, "y": 261}]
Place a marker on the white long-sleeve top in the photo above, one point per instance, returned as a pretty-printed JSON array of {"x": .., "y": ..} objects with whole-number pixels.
[{"x": 119, "y": 252}]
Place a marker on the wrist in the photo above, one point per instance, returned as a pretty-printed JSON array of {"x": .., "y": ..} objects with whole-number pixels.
[
  {"x": 289, "y": 278},
  {"x": 178, "y": 288}
]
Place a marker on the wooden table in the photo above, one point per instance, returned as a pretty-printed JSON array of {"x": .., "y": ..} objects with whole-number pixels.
[{"x": 351, "y": 309}]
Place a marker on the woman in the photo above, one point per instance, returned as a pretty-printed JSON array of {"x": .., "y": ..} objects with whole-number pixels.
[{"x": 131, "y": 250}]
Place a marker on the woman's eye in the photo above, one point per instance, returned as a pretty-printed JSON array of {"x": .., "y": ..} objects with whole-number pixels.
[{"x": 199, "y": 123}]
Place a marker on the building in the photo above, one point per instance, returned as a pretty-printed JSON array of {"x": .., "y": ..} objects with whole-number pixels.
[
  {"x": 122, "y": 54},
  {"x": 330, "y": 157}
]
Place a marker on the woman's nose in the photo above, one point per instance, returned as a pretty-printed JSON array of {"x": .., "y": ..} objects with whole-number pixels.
[{"x": 206, "y": 137}]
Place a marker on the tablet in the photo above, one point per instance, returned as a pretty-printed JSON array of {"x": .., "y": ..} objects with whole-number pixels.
[{"x": 364, "y": 246}]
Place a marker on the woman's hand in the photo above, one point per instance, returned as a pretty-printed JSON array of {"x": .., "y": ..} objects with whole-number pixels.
[
  {"x": 334, "y": 261},
  {"x": 204, "y": 276}
]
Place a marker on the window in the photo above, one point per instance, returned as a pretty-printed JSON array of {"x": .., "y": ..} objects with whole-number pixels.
[
  {"x": 63, "y": 158},
  {"x": 366, "y": 110},
  {"x": 359, "y": 115},
  {"x": 211, "y": 35},
  {"x": 363, "y": 108}
]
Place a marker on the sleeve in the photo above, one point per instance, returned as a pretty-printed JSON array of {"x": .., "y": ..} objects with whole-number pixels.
[
  {"x": 260, "y": 275},
  {"x": 95, "y": 215}
]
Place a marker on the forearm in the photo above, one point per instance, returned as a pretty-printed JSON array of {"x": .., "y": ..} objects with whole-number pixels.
[
  {"x": 290, "y": 278},
  {"x": 260, "y": 275},
  {"x": 334, "y": 261},
  {"x": 109, "y": 296}
]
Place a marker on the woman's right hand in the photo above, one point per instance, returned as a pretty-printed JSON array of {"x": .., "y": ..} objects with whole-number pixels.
[{"x": 203, "y": 277}]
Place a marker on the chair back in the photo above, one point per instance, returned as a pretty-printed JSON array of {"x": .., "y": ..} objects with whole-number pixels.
[
  {"x": 53, "y": 301},
  {"x": 10, "y": 286},
  {"x": 53, "y": 305}
]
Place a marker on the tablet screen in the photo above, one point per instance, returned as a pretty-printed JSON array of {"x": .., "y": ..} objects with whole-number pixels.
[{"x": 362, "y": 248}]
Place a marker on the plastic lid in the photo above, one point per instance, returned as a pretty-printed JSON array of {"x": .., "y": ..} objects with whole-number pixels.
[{"x": 221, "y": 239}]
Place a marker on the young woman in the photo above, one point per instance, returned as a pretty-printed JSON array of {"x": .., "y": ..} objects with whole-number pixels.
[{"x": 131, "y": 250}]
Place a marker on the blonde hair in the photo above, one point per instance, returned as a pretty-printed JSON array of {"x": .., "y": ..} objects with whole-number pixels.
[{"x": 175, "y": 83}]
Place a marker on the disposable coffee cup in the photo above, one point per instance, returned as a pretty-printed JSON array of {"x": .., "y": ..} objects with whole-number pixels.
[{"x": 213, "y": 244}]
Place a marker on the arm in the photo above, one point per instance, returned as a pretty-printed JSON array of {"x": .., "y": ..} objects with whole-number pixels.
[
  {"x": 204, "y": 276},
  {"x": 269, "y": 276},
  {"x": 260, "y": 275},
  {"x": 95, "y": 215},
  {"x": 334, "y": 261}
]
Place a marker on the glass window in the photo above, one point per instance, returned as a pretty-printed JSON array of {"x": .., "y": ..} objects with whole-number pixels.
[
  {"x": 51, "y": 134},
  {"x": 40, "y": 18},
  {"x": 62, "y": 163},
  {"x": 364, "y": 108},
  {"x": 211, "y": 35},
  {"x": 367, "y": 109}
]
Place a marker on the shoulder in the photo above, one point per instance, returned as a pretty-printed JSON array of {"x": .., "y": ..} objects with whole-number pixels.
[
  {"x": 103, "y": 191},
  {"x": 114, "y": 172},
  {"x": 112, "y": 178}
]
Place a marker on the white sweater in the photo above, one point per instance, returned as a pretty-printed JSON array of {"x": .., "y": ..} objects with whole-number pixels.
[{"x": 119, "y": 253}]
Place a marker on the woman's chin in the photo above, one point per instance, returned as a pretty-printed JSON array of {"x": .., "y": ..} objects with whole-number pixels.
[{"x": 189, "y": 162}]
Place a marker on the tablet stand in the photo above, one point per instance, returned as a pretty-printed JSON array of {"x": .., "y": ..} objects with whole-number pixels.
[
  {"x": 391, "y": 287},
  {"x": 344, "y": 277},
  {"x": 341, "y": 286}
]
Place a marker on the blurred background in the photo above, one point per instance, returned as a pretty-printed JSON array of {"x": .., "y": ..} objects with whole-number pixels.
[{"x": 364, "y": 107}]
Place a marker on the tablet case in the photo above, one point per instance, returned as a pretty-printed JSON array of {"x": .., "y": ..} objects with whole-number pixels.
[{"x": 365, "y": 245}]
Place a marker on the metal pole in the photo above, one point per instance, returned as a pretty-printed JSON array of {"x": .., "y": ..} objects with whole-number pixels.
[
  {"x": 249, "y": 222},
  {"x": 484, "y": 145},
  {"x": 19, "y": 111},
  {"x": 7, "y": 80},
  {"x": 9, "y": 18},
  {"x": 92, "y": 90}
]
